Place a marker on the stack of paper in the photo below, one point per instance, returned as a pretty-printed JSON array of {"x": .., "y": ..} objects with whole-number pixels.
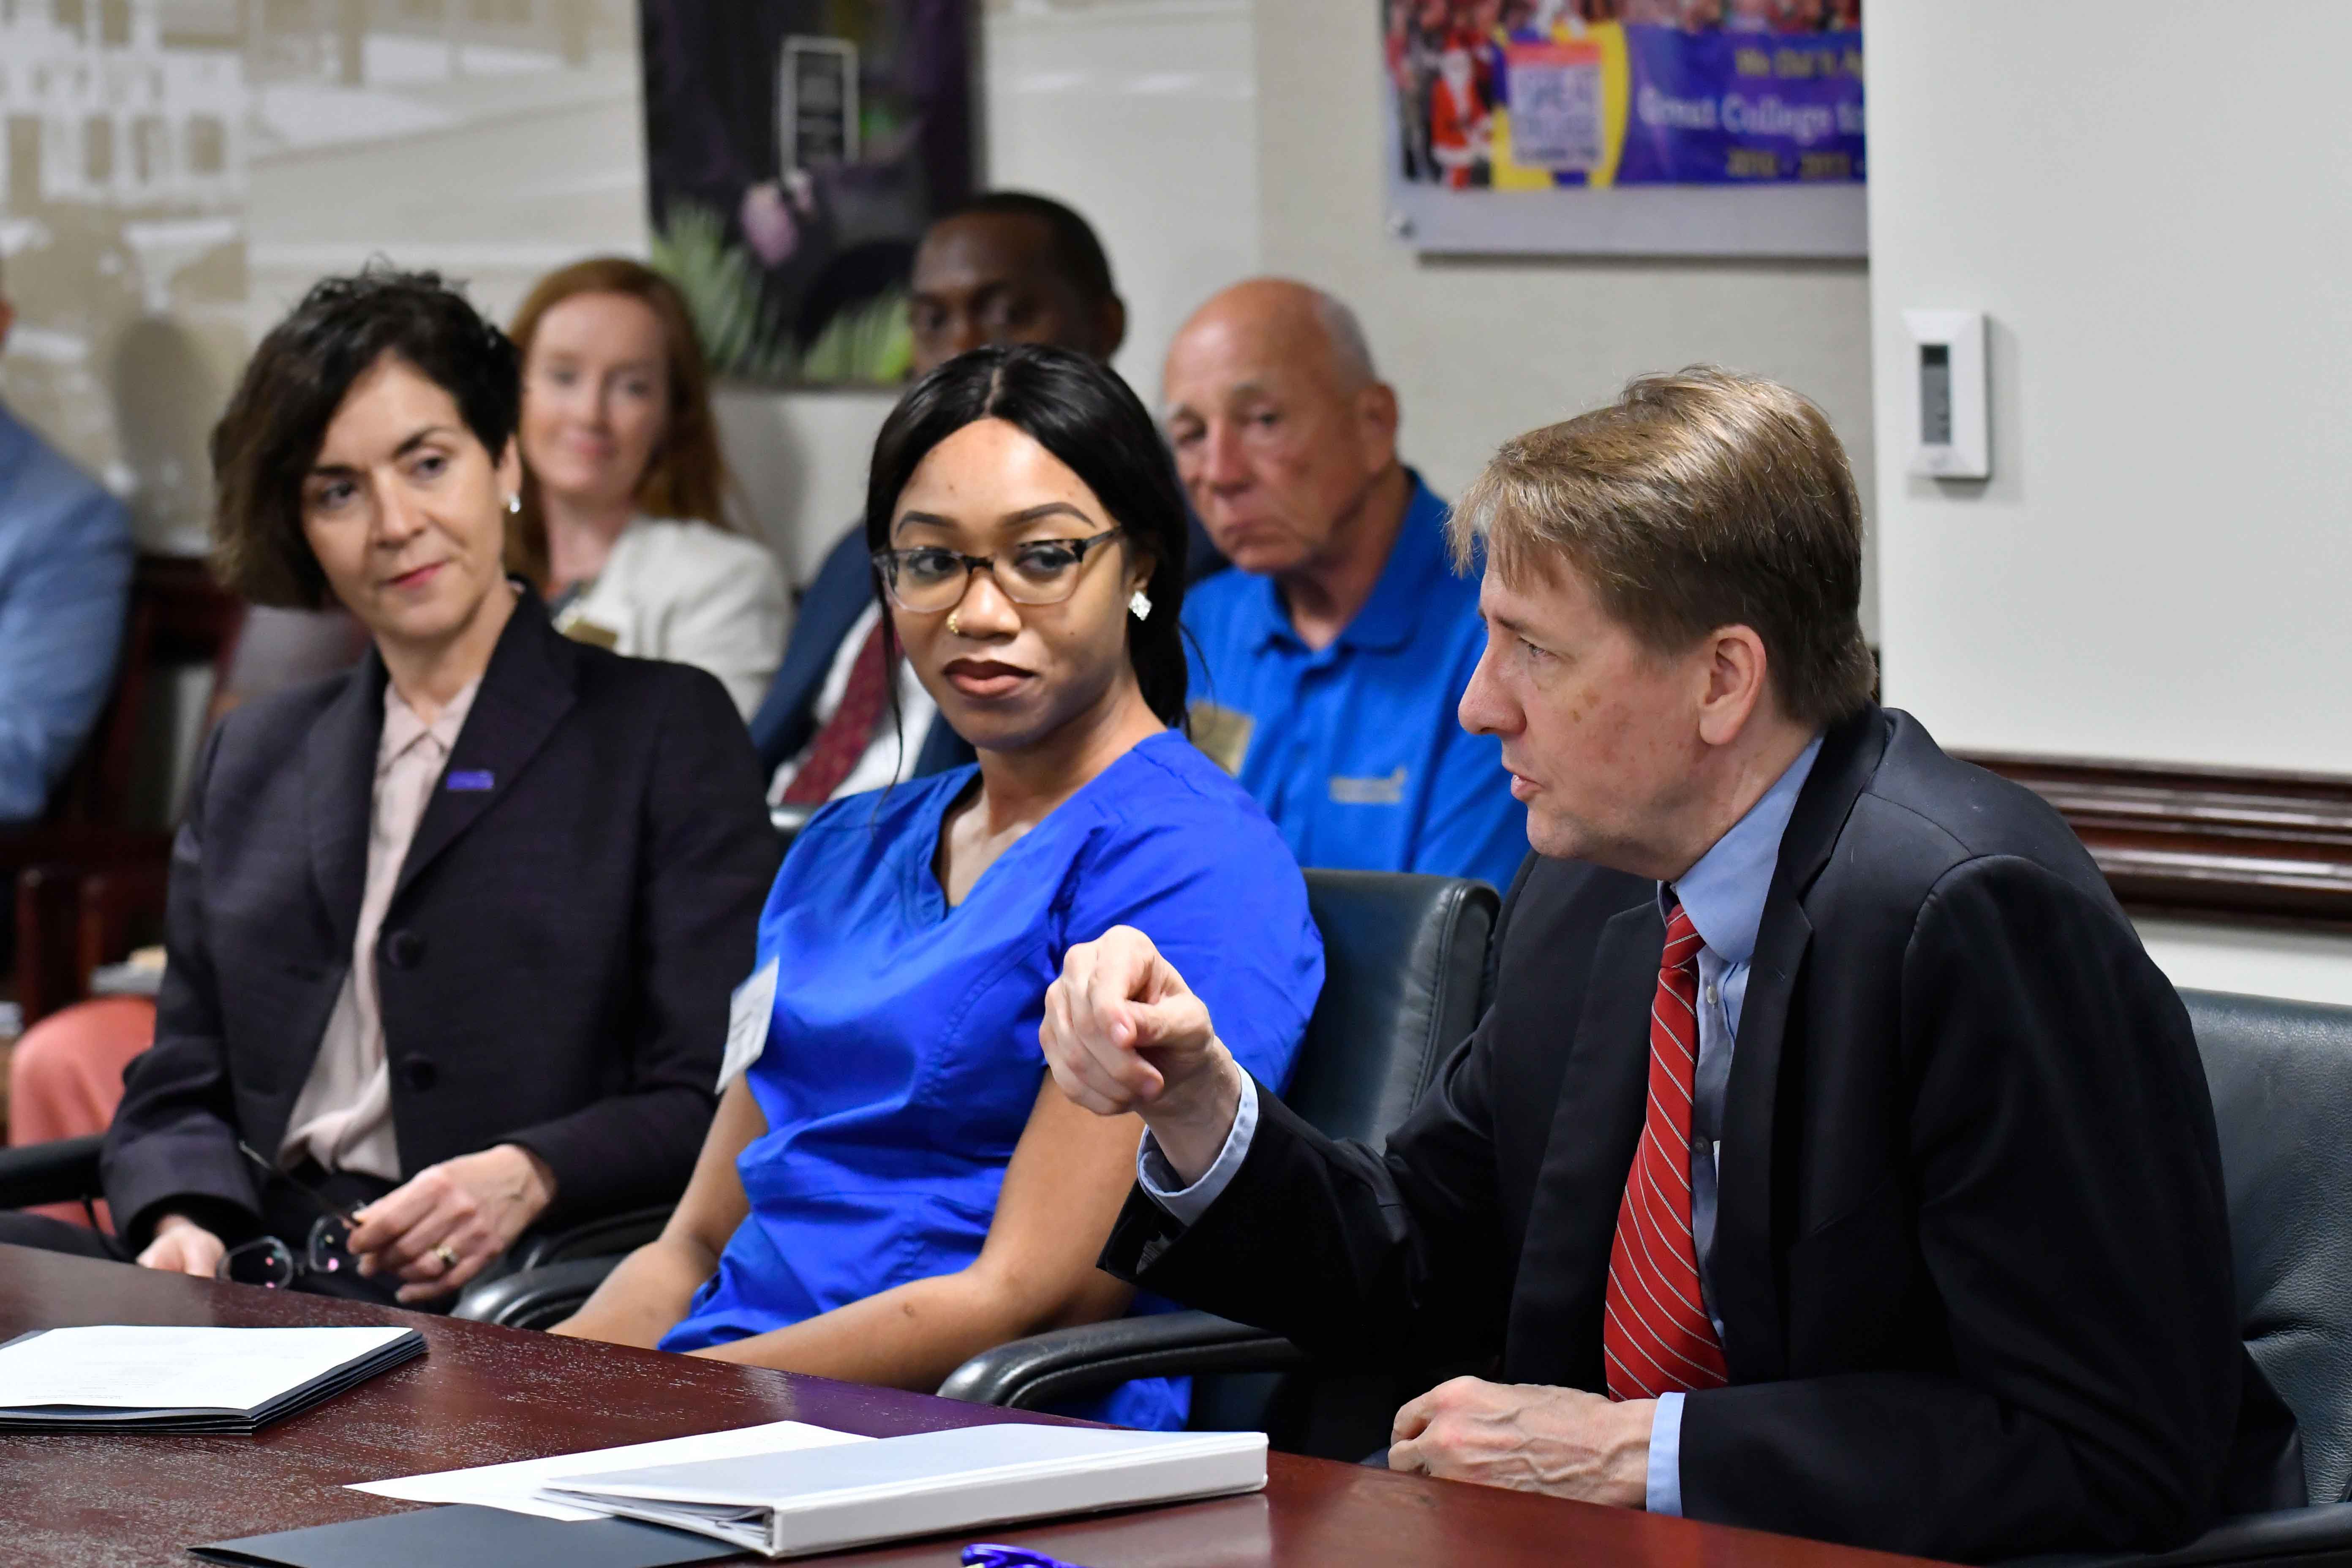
[
  {"x": 825, "y": 1499},
  {"x": 113, "y": 1378},
  {"x": 515, "y": 1486}
]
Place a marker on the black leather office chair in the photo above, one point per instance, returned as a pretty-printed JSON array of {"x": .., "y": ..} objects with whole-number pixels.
[
  {"x": 2281, "y": 1076},
  {"x": 1405, "y": 978}
]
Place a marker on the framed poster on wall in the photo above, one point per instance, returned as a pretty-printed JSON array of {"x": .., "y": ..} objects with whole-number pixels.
[
  {"x": 796, "y": 150},
  {"x": 1625, "y": 127}
]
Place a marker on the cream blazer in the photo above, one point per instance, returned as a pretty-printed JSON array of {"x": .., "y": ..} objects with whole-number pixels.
[{"x": 690, "y": 593}]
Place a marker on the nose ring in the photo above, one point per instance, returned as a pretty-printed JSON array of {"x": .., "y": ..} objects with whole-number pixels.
[{"x": 953, "y": 630}]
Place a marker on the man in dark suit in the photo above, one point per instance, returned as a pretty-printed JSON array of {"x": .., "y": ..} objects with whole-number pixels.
[
  {"x": 1832, "y": 1159},
  {"x": 1005, "y": 267}
]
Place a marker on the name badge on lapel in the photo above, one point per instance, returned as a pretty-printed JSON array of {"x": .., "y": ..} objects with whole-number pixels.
[{"x": 471, "y": 781}]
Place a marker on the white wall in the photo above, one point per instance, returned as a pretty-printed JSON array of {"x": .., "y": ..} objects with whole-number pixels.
[
  {"x": 799, "y": 461},
  {"x": 2252, "y": 960},
  {"x": 2149, "y": 204},
  {"x": 2148, "y": 201},
  {"x": 341, "y": 175},
  {"x": 1481, "y": 350},
  {"x": 1142, "y": 115}
]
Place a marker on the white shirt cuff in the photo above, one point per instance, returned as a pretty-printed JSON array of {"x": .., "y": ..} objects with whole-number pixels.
[
  {"x": 1666, "y": 1456},
  {"x": 1187, "y": 1204}
]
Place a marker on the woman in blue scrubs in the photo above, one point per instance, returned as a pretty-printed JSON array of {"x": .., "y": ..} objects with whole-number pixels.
[{"x": 893, "y": 1184}]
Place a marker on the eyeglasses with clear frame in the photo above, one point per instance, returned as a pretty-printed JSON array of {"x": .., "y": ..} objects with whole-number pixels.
[
  {"x": 931, "y": 578},
  {"x": 271, "y": 1264}
]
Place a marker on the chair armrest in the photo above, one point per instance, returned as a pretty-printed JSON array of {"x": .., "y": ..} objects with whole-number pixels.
[
  {"x": 534, "y": 1297},
  {"x": 60, "y": 1171},
  {"x": 607, "y": 1236},
  {"x": 2317, "y": 1537},
  {"x": 1070, "y": 1363}
]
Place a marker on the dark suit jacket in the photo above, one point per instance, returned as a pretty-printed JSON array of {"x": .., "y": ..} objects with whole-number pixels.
[
  {"x": 555, "y": 964},
  {"x": 1971, "y": 1253}
]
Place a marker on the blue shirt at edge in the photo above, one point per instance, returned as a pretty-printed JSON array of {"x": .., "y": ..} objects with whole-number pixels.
[
  {"x": 1355, "y": 750},
  {"x": 65, "y": 578}
]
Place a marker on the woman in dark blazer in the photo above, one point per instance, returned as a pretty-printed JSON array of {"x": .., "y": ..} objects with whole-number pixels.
[{"x": 451, "y": 935}]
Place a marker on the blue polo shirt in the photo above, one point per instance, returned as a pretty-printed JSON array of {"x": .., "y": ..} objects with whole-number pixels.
[{"x": 1355, "y": 750}]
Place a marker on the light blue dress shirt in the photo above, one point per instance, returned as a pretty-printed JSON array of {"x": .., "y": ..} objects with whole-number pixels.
[
  {"x": 1724, "y": 894},
  {"x": 65, "y": 577}
]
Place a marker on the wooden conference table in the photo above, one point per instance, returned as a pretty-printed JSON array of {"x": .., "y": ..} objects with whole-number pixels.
[{"x": 484, "y": 1395}]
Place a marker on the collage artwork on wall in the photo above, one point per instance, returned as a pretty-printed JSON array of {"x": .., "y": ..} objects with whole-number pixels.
[
  {"x": 795, "y": 150},
  {"x": 1625, "y": 127}
]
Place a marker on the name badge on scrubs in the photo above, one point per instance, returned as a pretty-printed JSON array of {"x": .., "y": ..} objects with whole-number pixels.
[{"x": 747, "y": 1013}]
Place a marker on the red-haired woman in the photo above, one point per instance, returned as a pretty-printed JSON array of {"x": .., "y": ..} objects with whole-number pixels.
[{"x": 622, "y": 523}]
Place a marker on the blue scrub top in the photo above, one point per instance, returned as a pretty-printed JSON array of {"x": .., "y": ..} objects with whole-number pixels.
[
  {"x": 902, "y": 1060},
  {"x": 1356, "y": 750}
]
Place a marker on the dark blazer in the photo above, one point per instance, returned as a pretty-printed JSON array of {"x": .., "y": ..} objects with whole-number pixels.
[
  {"x": 787, "y": 716},
  {"x": 555, "y": 964},
  {"x": 1971, "y": 1254}
]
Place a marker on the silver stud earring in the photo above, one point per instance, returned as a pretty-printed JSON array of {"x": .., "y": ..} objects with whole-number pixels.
[
  {"x": 514, "y": 503},
  {"x": 1140, "y": 605}
]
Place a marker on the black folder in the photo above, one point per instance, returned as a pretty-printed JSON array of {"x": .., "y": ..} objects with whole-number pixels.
[
  {"x": 400, "y": 1348},
  {"x": 462, "y": 1533}
]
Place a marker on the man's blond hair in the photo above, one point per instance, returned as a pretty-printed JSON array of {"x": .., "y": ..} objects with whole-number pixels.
[{"x": 1696, "y": 500}]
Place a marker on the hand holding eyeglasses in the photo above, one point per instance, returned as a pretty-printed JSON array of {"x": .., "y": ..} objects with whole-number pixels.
[
  {"x": 446, "y": 1222},
  {"x": 434, "y": 1232}
]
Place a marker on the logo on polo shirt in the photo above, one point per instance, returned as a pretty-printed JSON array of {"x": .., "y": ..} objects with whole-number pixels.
[
  {"x": 1223, "y": 734},
  {"x": 1388, "y": 791}
]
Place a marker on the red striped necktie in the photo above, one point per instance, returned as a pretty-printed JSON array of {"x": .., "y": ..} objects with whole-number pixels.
[
  {"x": 836, "y": 751},
  {"x": 1656, "y": 1336}
]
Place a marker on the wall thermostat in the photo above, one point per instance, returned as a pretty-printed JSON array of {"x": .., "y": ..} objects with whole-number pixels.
[{"x": 1951, "y": 434}]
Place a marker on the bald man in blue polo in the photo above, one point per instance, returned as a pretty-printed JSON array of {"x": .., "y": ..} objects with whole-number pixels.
[{"x": 1331, "y": 661}]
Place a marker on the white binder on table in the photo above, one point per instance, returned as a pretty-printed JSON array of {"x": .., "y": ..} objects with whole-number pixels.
[{"x": 825, "y": 1500}]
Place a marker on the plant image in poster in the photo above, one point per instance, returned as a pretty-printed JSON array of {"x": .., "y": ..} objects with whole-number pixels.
[
  {"x": 795, "y": 152},
  {"x": 1540, "y": 94}
]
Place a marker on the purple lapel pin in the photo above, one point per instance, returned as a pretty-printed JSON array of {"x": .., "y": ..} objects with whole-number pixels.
[{"x": 472, "y": 781}]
